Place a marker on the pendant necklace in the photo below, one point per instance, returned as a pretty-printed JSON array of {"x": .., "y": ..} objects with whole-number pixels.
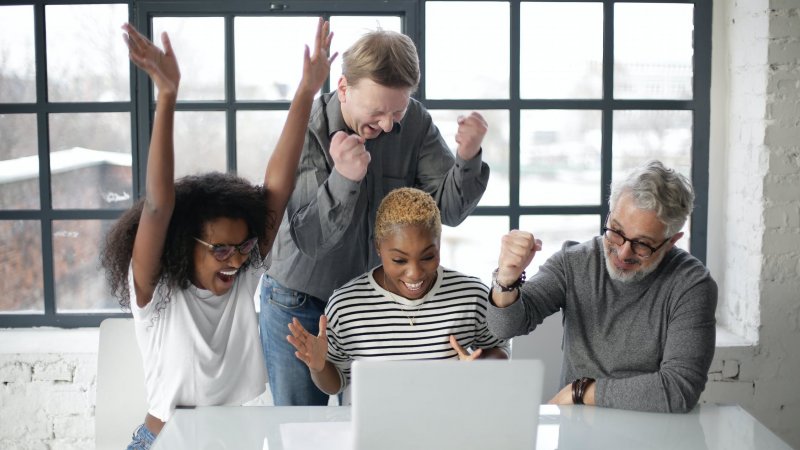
[{"x": 402, "y": 306}]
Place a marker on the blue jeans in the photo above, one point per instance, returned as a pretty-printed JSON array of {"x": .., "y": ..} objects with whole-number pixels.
[
  {"x": 289, "y": 378},
  {"x": 142, "y": 439}
]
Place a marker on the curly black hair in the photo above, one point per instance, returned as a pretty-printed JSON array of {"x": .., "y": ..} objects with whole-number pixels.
[{"x": 199, "y": 199}]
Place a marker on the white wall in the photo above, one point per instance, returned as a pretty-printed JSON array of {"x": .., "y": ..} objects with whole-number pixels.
[
  {"x": 754, "y": 223},
  {"x": 47, "y": 389}
]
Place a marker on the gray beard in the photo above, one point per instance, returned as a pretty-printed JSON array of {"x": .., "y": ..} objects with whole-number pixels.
[{"x": 631, "y": 276}]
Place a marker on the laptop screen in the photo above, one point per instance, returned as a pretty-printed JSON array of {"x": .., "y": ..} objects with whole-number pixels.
[{"x": 446, "y": 404}]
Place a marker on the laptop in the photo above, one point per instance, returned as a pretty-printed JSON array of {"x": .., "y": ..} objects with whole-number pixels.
[{"x": 449, "y": 404}]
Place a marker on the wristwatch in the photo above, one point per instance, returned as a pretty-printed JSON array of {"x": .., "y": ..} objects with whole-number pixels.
[{"x": 515, "y": 285}]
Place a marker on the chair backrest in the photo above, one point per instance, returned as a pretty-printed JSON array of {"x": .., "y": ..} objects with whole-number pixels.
[{"x": 121, "y": 398}]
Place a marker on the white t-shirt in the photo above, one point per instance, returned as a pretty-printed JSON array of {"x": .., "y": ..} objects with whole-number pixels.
[{"x": 200, "y": 349}]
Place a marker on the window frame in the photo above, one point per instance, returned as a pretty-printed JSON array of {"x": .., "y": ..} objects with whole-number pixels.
[{"x": 412, "y": 12}]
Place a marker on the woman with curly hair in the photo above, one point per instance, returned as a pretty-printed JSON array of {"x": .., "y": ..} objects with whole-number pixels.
[
  {"x": 187, "y": 258},
  {"x": 409, "y": 307}
]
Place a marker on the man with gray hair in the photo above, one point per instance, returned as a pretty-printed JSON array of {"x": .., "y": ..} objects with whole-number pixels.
[{"x": 638, "y": 312}]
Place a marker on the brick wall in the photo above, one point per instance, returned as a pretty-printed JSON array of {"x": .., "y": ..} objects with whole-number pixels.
[
  {"x": 47, "y": 400},
  {"x": 754, "y": 240}
]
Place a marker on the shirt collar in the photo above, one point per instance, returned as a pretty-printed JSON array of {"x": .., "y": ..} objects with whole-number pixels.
[
  {"x": 335, "y": 118},
  {"x": 333, "y": 110}
]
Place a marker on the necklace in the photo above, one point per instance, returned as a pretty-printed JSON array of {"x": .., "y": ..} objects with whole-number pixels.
[{"x": 405, "y": 312}]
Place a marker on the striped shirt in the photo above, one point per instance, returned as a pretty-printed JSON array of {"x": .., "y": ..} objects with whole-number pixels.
[{"x": 367, "y": 322}]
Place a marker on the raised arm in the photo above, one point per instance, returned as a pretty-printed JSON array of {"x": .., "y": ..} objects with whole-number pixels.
[
  {"x": 162, "y": 68},
  {"x": 279, "y": 177},
  {"x": 457, "y": 184},
  {"x": 517, "y": 249}
]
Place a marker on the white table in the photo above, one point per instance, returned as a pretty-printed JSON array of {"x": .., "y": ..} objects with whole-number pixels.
[{"x": 726, "y": 427}]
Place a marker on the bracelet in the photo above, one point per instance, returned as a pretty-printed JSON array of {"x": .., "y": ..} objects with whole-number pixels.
[
  {"x": 579, "y": 387},
  {"x": 515, "y": 285}
]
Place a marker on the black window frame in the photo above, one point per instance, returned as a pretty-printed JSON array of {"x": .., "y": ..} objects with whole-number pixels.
[{"x": 412, "y": 13}]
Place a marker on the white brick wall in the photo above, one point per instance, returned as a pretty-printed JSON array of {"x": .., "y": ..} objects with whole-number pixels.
[
  {"x": 47, "y": 400},
  {"x": 48, "y": 381},
  {"x": 756, "y": 143}
]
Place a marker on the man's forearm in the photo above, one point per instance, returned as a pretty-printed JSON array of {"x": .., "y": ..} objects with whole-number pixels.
[{"x": 503, "y": 299}]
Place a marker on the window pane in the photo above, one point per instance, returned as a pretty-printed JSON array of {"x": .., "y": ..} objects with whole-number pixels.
[
  {"x": 17, "y": 67},
  {"x": 686, "y": 241},
  {"x": 554, "y": 230},
  {"x": 347, "y": 30},
  {"x": 653, "y": 50},
  {"x": 258, "y": 77},
  {"x": 199, "y": 142},
  {"x": 257, "y": 132},
  {"x": 85, "y": 59},
  {"x": 643, "y": 135},
  {"x": 560, "y": 157},
  {"x": 465, "y": 58},
  {"x": 495, "y": 149},
  {"x": 90, "y": 160},
  {"x": 19, "y": 162},
  {"x": 21, "y": 267},
  {"x": 78, "y": 284},
  {"x": 663, "y": 135},
  {"x": 199, "y": 44},
  {"x": 571, "y": 69},
  {"x": 472, "y": 247}
]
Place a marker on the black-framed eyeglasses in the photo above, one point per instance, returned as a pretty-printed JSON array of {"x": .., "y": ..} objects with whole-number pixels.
[
  {"x": 224, "y": 251},
  {"x": 641, "y": 249}
]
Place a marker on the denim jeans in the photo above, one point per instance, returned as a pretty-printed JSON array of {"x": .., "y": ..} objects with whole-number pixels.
[
  {"x": 142, "y": 439},
  {"x": 289, "y": 378}
]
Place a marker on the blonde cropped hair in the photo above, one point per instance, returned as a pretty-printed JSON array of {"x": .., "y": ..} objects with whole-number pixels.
[
  {"x": 386, "y": 57},
  {"x": 407, "y": 206}
]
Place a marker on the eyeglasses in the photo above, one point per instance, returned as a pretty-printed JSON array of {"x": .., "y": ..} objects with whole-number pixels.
[
  {"x": 222, "y": 251},
  {"x": 641, "y": 249}
]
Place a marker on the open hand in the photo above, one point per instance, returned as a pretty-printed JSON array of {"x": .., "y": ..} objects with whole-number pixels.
[
  {"x": 161, "y": 66},
  {"x": 463, "y": 354},
  {"x": 311, "y": 349},
  {"x": 317, "y": 65}
]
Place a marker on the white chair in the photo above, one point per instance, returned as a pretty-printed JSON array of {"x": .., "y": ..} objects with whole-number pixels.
[{"x": 121, "y": 399}]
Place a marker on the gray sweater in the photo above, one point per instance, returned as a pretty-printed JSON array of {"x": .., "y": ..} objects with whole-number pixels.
[{"x": 648, "y": 344}]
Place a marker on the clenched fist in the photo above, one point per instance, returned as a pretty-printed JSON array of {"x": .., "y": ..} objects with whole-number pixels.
[
  {"x": 471, "y": 130},
  {"x": 350, "y": 157},
  {"x": 517, "y": 249}
]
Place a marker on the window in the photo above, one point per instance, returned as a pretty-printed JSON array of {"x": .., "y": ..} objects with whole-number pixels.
[
  {"x": 574, "y": 92},
  {"x": 65, "y": 158}
]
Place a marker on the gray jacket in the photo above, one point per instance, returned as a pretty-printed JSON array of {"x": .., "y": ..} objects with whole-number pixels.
[{"x": 326, "y": 235}]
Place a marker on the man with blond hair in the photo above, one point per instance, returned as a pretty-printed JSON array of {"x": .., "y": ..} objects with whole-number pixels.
[{"x": 364, "y": 139}]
